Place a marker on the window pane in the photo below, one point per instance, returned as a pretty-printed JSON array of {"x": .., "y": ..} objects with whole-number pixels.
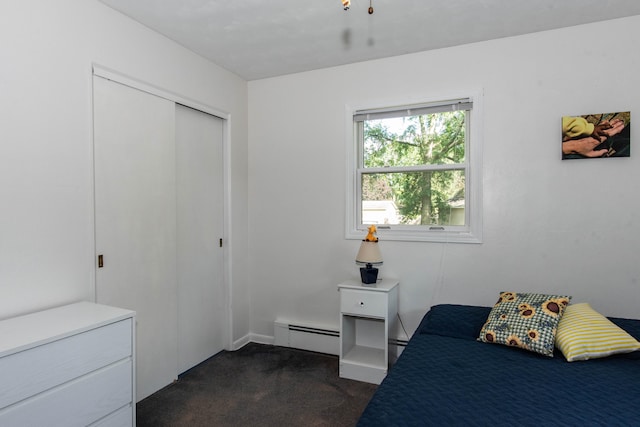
[
  {"x": 418, "y": 198},
  {"x": 415, "y": 140}
]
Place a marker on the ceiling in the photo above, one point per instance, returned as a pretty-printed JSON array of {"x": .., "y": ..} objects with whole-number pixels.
[{"x": 264, "y": 38}]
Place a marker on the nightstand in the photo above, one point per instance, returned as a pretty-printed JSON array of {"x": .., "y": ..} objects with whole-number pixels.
[{"x": 367, "y": 314}]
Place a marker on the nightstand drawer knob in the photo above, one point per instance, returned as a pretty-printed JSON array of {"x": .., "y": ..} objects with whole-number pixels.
[{"x": 361, "y": 303}]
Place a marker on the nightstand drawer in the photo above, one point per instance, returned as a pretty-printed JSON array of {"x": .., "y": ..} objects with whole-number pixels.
[{"x": 365, "y": 303}]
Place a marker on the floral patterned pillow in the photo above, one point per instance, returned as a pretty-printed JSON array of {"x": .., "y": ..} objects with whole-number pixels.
[{"x": 525, "y": 320}]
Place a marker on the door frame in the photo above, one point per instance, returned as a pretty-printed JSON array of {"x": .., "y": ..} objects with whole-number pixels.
[{"x": 116, "y": 76}]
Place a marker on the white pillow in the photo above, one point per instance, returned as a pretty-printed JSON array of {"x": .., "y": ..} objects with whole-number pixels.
[{"x": 584, "y": 334}]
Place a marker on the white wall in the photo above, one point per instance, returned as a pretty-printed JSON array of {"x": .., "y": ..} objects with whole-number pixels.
[
  {"x": 46, "y": 173},
  {"x": 549, "y": 225}
]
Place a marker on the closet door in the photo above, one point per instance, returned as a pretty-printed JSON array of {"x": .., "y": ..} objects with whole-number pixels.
[
  {"x": 201, "y": 296},
  {"x": 135, "y": 224}
]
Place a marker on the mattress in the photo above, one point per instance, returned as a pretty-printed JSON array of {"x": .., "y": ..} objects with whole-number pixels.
[{"x": 447, "y": 378}]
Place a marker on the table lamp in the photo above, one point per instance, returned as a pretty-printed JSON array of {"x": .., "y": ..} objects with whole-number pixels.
[{"x": 369, "y": 255}]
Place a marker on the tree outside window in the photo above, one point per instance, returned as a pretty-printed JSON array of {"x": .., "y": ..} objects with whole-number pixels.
[{"x": 424, "y": 197}]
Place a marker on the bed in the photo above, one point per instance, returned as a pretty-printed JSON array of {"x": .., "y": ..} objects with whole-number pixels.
[{"x": 446, "y": 377}]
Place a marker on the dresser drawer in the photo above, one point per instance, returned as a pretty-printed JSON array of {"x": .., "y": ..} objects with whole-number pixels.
[
  {"x": 38, "y": 369},
  {"x": 122, "y": 417},
  {"x": 76, "y": 403},
  {"x": 364, "y": 303}
]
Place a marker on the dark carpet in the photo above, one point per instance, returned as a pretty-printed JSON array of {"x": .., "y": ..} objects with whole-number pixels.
[{"x": 258, "y": 385}]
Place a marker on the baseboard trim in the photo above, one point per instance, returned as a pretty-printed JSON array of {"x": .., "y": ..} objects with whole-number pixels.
[
  {"x": 241, "y": 342},
  {"x": 249, "y": 338}
]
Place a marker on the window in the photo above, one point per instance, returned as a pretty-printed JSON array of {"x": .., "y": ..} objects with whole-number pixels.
[{"x": 415, "y": 171}]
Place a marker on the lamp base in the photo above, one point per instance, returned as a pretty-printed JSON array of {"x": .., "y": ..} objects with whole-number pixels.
[{"x": 369, "y": 275}]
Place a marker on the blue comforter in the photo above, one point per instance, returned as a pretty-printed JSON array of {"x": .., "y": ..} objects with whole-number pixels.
[{"x": 447, "y": 378}]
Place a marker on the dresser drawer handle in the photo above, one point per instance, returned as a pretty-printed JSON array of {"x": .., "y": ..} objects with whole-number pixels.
[{"x": 361, "y": 303}]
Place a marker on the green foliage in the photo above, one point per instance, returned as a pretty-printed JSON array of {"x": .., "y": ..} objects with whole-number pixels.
[{"x": 422, "y": 196}]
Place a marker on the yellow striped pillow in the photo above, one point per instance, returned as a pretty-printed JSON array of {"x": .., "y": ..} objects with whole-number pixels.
[{"x": 584, "y": 334}]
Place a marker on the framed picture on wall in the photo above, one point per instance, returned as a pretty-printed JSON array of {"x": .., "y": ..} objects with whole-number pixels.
[{"x": 596, "y": 135}]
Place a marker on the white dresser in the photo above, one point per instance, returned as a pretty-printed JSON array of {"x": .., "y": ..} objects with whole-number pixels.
[{"x": 68, "y": 366}]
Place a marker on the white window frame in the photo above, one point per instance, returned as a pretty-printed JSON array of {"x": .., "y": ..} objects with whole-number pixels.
[{"x": 472, "y": 232}]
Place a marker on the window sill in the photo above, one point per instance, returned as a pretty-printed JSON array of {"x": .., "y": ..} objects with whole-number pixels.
[{"x": 419, "y": 236}]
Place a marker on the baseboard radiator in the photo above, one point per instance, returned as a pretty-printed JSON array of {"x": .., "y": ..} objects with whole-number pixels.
[
  {"x": 315, "y": 338},
  {"x": 307, "y": 337}
]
